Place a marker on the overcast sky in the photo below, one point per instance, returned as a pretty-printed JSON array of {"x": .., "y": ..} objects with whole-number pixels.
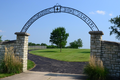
[{"x": 15, "y": 13}]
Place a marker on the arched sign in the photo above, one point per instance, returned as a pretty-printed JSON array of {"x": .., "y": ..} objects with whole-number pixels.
[{"x": 60, "y": 9}]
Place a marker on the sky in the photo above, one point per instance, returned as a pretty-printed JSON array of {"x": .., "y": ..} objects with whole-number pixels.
[{"x": 15, "y": 13}]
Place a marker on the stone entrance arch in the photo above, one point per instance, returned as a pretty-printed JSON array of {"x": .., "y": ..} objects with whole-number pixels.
[{"x": 22, "y": 36}]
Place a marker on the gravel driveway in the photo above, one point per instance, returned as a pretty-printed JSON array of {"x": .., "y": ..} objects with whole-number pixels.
[{"x": 50, "y": 65}]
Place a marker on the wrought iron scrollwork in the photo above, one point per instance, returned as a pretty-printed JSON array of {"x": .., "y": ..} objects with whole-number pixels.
[{"x": 59, "y": 9}]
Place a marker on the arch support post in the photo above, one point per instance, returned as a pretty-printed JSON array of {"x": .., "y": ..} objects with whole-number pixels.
[
  {"x": 22, "y": 47},
  {"x": 96, "y": 38}
]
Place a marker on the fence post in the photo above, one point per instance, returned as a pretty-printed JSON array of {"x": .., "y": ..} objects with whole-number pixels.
[{"x": 22, "y": 47}]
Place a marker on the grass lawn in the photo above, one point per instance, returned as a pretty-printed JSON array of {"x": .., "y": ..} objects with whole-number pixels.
[
  {"x": 2, "y": 75},
  {"x": 30, "y": 65},
  {"x": 70, "y": 55}
]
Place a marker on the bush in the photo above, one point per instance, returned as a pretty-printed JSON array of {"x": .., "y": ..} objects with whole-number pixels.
[
  {"x": 51, "y": 46},
  {"x": 95, "y": 70},
  {"x": 11, "y": 63},
  {"x": 76, "y": 44}
]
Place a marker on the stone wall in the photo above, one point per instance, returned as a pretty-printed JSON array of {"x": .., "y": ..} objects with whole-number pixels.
[
  {"x": 7, "y": 44},
  {"x": 110, "y": 55},
  {"x": 2, "y": 51},
  {"x": 108, "y": 52}
]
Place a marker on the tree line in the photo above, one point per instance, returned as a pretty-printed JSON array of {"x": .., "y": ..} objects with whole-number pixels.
[
  {"x": 74, "y": 44},
  {"x": 34, "y": 44}
]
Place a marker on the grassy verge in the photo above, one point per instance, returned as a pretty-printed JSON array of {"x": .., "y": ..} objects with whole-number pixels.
[
  {"x": 70, "y": 55},
  {"x": 2, "y": 75},
  {"x": 30, "y": 66}
]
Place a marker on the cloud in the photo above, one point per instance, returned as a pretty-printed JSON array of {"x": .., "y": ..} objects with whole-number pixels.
[
  {"x": 100, "y": 12},
  {"x": 4, "y": 36},
  {"x": 110, "y": 14},
  {"x": 1, "y": 31}
]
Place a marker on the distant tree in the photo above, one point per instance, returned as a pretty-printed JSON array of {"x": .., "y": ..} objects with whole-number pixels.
[
  {"x": 51, "y": 46},
  {"x": 0, "y": 38},
  {"x": 79, "y": 42},
  {"x": 76, "y": 44},
  {"x": 43, "y": 44},
  {"x": 7, "y": 40},
  {"x": 37, "y": 44},
  {"x": 59, "y": 37},
  {"x": 73, "y": 45},
  {"x": 31, "y": 44},
  {"x": 67, "y": 47},
  {"x": 116, "y": 27}
]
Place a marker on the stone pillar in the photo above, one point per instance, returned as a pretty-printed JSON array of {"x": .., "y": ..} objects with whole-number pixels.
[
  {"x": 22, "y": 47},
  {"x": 95, "y": 47}
]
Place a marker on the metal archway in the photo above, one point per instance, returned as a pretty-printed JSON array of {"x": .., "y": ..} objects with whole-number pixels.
[{"x": 59, "y": 9}]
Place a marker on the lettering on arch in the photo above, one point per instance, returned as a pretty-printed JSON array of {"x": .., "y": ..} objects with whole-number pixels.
[{"x": 59, "y": 9}]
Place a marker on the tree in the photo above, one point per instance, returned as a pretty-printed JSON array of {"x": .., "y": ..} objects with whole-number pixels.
[
  {"x": 37, "y": 44},
  {"x": 59, "y": 37},
  {"x": 79, "y": 43},
  {"x": 51, "y": 46},
  {"x": 31, "y": 44},
  {"x": 7, "y": 40},
  {"x": 116, "y": 27},
  {"x": 76, "y": 44},
  {"x": 73, "y": 45},
  {"x": 0, "y": 38},
  {"x": 43, "y": 44}
]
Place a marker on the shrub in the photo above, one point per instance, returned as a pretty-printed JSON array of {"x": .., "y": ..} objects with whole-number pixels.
[
  {"x": 11, "y": 63},
  {"x": 95, "y": 70},
  {"x": 51, "y": 46}
]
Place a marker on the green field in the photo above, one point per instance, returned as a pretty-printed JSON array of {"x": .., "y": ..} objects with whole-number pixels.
[{"x": 70, "y": 55}]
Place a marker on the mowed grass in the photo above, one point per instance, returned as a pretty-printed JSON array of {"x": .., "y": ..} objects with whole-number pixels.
[
  {"x": 2, "y": 75},
  {"x": 69, "y": 55},
  {"x": 30, "y": 64}
]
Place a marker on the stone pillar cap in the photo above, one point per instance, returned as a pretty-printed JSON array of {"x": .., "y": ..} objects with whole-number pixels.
[
  {"x": 22, "y": 34},
  {"x": 96, "y": 33}
]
